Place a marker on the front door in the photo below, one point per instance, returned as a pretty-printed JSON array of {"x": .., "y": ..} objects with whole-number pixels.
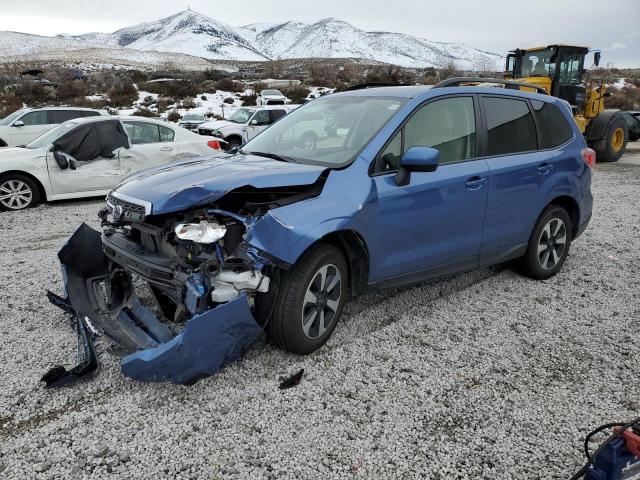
[
  {"x": 33, "y": 125},
  {"x": 92, "y": 175},
  {"x": 434, "y": 224},
  {"x": 259, "y": 122}
]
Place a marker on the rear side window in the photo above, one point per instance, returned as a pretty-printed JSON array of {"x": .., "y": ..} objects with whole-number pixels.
[
  {"x": 142, "y": 132},
  {"x": 61, "y": 116},
  {"x": 277, "y": 115},
  {"x": 554, "y": 128},
  {"x": 166, "y": 134},
  {"x": 510, "y": 126}
]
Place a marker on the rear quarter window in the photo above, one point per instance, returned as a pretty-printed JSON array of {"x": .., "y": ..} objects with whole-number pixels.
[
  {"x": 510, "y": 126},
  {"x": 554, "y": 127}
]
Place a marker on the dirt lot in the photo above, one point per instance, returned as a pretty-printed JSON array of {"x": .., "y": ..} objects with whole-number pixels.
[{"x": 484, "y": 375}]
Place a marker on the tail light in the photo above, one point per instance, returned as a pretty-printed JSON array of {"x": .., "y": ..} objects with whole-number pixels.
[
  {"x": 214, "y": 144},
  {"x": 589, "y": 157}
]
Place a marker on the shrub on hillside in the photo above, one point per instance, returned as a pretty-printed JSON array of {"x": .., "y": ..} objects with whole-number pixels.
[
  {"x": 145, "y": 112},
  {"x": 71, "y": 89},
  {"x": 123, "y": 95},
  {"x": 297, "y": 94},
  {"x": 627, "y": 98},
  {"x": 174, "y": 116},
  {"x": 9, "y": 104},
  {"x": 248, "y": 100},
  {"x": 176, "y": 89},
  {"x": 229, "y": 85}
]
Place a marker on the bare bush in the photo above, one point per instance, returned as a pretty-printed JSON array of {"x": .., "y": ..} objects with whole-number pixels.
[
  {"x": 297, "y": 94},
  {"x": 627, "y": 98}
]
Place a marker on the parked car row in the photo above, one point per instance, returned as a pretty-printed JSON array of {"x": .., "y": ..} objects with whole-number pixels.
[{"x": 89, "y": 156}]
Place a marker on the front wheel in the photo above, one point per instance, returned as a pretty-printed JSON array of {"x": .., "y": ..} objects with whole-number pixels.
[
  {"x": 310, "y": 300},
  {"x": 549, "y": 244},
  {"x": 18, "y": 192}
]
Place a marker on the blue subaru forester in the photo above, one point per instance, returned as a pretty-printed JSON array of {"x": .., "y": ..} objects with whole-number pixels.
[{"x": 352, "y": 192}]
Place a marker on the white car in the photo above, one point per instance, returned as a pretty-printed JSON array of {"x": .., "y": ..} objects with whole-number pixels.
[
  {"x": 191, "y": 121},
  {"x": 271, "y": 97},
  {"x": 88, "y": 157},
  {"x": 27, "y": 124},
  {"x": 244, "y": 124}
]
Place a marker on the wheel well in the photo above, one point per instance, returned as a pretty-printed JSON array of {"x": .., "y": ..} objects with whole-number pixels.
[
  {"x": 356, "y": 254},
  {"x": 572, "y": 208},
  {"x": 234, "y": 137},
  {"x": 3, "y": 143},
  {"x": 43, "y": 193}
]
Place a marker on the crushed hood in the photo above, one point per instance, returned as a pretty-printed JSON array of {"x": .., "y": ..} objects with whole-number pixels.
[{"x": 195, "y": 182}]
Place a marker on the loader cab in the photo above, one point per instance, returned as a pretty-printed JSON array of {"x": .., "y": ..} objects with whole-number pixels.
[{"x": 559, "y": 69}]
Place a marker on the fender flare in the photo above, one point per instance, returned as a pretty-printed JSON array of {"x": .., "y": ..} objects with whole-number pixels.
[{"x": 597, "y": 127}]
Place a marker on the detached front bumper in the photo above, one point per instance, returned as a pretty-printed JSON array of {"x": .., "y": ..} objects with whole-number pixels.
[{"x": 105, "y": 298}]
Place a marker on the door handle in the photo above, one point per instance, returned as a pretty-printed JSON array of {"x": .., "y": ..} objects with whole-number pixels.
[
  {"x": 475, "y": 183},
  {"x": 166, "y": 149},
  {"x": 545, "y": 168}
]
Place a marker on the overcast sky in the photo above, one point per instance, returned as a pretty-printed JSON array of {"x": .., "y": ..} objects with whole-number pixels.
[{"x": 612, "y": 26}]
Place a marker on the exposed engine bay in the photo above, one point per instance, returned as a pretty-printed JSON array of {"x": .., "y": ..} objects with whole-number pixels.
[{"x": 200, "y": 270}]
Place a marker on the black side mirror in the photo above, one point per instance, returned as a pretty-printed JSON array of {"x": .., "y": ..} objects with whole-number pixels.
[
  {"x": 62, "y": 160},
  {"x": 596, "y": 58},
  {"x": 417, "y": 159}
]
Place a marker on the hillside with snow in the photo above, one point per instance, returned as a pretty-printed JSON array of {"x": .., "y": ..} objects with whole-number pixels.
[{"x": 194, "y": 34}]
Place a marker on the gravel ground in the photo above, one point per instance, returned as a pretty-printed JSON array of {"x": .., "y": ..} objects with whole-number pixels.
[{"x": 483, "y": 375}]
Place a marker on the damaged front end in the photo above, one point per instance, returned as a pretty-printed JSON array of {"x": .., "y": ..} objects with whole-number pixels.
[{"x": 205, "y": 280}]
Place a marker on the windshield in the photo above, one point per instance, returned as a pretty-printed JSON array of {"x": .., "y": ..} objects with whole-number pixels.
[
  {"x": 241, "y": 115},
  {"x": 271, "y": 92},
  {"x": 48, "y": 138},
  {"x": 10, "y": 118},
  {"x": 193, "y": 118},
  {"x": 329, "y": 131},
  {"x": 539, "y": 63}
]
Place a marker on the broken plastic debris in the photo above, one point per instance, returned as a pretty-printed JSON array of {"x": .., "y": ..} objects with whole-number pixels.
[
  {"x": 203, "y": 232},
  {"x": 292, "y": 381},
  {"x": 611, "y": 257}
]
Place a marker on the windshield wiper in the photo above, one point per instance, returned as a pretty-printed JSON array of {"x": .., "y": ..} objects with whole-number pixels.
[{"x": 274, "y": 156}]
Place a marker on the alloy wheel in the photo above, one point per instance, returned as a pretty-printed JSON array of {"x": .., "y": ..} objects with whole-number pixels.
[
  {"x": 552, "y": 243},
  {"x": 321, "y": 301},
  {"x": 15, "y": 194}
]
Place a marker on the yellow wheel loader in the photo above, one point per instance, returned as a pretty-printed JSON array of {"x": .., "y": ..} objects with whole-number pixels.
[{"x": 560, "y": 71}]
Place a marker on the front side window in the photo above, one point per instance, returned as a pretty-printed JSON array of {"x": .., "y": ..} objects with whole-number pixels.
[
  {"x": 448, "y": 125},
  {"x": 554, "y": 128},
  {"x": 41, "y": 117},
  {"x": 329, "y": 131},
  {"x": 142, "y": 133},
  {"x": 8, "y": 120},
  {"x": 261, "y": 118},
  {"x": 242, "y": 115},
  {"x": 539, "y": 63},
  {"x": 571, "y": 66},
  {"x": 510, "y": 126},
  {"x": 52, "y": 135}
]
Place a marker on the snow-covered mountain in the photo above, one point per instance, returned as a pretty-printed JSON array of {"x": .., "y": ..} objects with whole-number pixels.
[{"x": 192, "y": 33}]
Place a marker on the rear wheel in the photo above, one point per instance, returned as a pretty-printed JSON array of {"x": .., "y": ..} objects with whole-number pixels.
[
  {"x": 233, "y": 143},
  {"x": 18, "y": 192},
  {"x": 614, "y": 142},
  {"x": 548, "y": 245},
  {"x": 310, "y": 300}
]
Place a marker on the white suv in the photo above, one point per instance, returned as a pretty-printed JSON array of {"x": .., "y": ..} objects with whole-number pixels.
[
  {"x": 244, "y": 124},
  {"x": 27, "y": 124},
  {"x": 272, "y": 97}
]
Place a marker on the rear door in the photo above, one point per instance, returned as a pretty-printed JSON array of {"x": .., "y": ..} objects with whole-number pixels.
[
  {"x": 35, "y": 123},
  {"x": 521, "y": 176},
  {"x": 151, "y": 145}
]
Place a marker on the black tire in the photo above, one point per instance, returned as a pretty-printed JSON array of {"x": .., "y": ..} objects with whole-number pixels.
[
  {"x": 292, "y": 304},
  {"x": 532, "y": 264},
  {"x": 605, "y": 151},
  {"x": 232, "y": 143},
  {"x": 16, "y": 183},
  {"x": 3, "y": 143}
]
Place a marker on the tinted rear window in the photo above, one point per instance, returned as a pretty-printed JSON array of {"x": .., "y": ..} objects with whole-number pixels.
[
  {"x": 554, "y": 128},
  {"x": 510, "y": 126}
]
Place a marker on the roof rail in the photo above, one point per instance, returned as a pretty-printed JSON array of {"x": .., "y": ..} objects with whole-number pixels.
[
  {"x": 510, "y": 84},
  {"x": 362, "y": 86}
]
